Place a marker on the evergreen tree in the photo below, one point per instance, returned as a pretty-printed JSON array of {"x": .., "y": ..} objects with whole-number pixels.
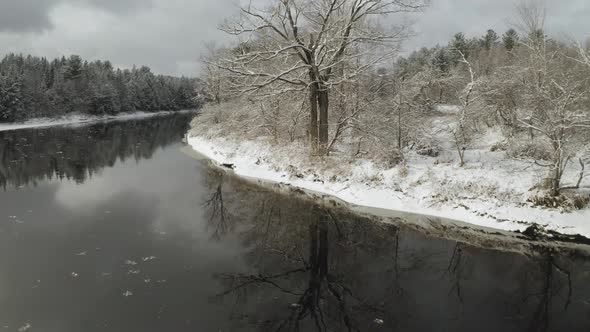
[
  {"x": 460, "y": 44},
  {"x": 11, "y": 99},
  {"x": 4, "y": 115},
  {"x": 510, "y": 38},
  {"x": 489, "y": 39},
  {"x": 73, "y": 68},
  {"x": 441, "y": 61}
]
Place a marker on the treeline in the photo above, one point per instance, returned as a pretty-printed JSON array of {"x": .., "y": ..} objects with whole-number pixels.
[
  {"x": 439, "y": 75},
  {"x": 443, "y": 58},
  {"x": 484, "y": 53},
  {"x": 36, "y": 87}
]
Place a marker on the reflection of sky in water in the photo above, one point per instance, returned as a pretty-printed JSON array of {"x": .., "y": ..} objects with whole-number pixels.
[
  {"x": 130, "y": 211},
  {"x": 169, "y": 187}
]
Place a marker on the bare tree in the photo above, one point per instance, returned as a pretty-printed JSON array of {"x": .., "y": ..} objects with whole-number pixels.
[
  {"x": 555, "y": 94},
  {"x": 460, "y": 130},
  {"x": 214, "y": 87},
  {"x": 583, "y": 53},
  {"x": 530, "y": 20},
  {"x": 302, "y": 44}
]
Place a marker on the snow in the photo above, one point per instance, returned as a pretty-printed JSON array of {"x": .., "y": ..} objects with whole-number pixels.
[
  {"x": 448, "y": 109},
  {"x": 25, "y": 327},
  {"x": 490, "y": 191},
  {"x": 79, "y": 119}
]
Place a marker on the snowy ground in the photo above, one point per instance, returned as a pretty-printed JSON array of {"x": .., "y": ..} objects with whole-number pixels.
[
  {"x": 490, "y": 191},
  {"x": 78, "y": 119}
]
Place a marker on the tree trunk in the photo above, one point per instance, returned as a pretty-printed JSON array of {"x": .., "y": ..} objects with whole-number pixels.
[
  {"x": 399, "y": 120},
  {"x": 323, "y": 102},
  {"x": 313, "y": 114},
  {"x": 555, "y": 182},
  {"x": 559, "y": 164},
  {"x": 556, "y": 176},
  {"x": 582, "y": 170}
]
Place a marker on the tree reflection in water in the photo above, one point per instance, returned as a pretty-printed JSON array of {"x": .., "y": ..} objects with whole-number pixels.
[
  {"x": 317, "y": 269},
  {"x": 220, "y": 220},
  {"x": 31, "y": 155}
]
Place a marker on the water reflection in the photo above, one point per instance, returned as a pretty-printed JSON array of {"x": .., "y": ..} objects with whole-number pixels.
[
  {"x": 230, "y": 256},
  {"x": 312, "y": 269},
  {"x": 28, "y": 156}
]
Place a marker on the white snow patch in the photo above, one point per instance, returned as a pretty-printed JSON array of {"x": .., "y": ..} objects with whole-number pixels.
[
  {"x": 25, "y": 327},
  {"x": 490, "y": 191},
  {"x": 450, "y": 109}
]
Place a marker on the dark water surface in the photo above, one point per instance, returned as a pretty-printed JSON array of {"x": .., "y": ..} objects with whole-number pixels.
[{"x": 111, "y": 227}]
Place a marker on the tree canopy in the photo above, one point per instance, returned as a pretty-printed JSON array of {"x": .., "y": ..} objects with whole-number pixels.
[{"x": 36, "y": 87}]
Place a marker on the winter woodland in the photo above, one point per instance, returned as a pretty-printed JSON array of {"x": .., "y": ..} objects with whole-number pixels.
[{"x": 322, "y": 85}]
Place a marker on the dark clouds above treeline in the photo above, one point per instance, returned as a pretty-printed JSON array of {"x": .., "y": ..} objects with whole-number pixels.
[
  {"x": 168, "y": 35},
  {"x": 34, "y": 15}
]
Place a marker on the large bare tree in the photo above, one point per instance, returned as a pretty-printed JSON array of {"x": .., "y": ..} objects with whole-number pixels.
[{"x": 307, "y": 45}]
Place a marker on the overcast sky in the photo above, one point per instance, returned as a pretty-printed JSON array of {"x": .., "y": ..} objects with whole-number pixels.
[{"x": 168, "y": 35}]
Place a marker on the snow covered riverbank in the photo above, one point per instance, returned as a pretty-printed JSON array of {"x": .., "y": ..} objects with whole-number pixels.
[
  {"x": 80, "y": 119},
  {"x": 490, "y": 193}
]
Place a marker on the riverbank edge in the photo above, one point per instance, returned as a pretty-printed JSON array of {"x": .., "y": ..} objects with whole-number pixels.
[
  {"x": 433, "y": 225},
  {"x": 79, "y": 119}
]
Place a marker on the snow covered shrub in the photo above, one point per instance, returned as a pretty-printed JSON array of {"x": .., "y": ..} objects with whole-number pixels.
[
  {"x": 427, "y": 177},
  {"x": 500, "y": 146},
  {"x": 580, "y": 202},
  {"x": 566, "y": 202},
  {"x": 403, "y": 171},
  {"x": 374, "y": 179},
  {"x": 294, "y": 172},
  {"x": 548, "y": 201},
  {"x": 534, "y": 150},
  {"x": 428, "y": 150},
  {"x": 391, "y": 159}
]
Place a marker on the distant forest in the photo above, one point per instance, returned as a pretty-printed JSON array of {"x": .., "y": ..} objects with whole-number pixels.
[{"x": 36, "y": 87}]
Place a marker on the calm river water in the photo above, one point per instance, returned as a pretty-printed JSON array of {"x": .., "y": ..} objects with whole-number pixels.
[{"x": 112, "y": 227}]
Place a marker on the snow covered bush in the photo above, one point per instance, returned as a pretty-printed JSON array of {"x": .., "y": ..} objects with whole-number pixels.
[{"x": 536, "y": 150}]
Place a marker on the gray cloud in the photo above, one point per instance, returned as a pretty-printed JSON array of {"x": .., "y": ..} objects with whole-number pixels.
[
  {"x": 168, "y": 35},
  {"x": 118, "y": 6},
  {"x": 34, "y": 15},
  {"x": 25, "y": 15}
]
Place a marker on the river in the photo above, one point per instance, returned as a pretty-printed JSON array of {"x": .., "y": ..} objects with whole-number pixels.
[{"x": 114, "y": 227}]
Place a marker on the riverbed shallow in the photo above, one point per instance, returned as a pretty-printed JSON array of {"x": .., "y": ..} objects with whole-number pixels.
[{"x": 112, "y": 227}]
